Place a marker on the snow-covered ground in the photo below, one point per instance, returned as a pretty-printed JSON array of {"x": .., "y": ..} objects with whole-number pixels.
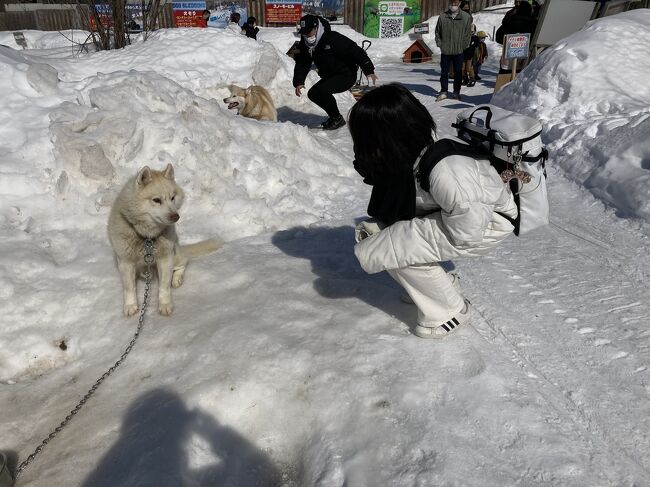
[{"x": 284, "y": 364}]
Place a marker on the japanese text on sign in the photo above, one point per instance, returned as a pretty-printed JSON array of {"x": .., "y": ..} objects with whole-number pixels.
[
  {"x": 285, "y": 12},
  {"x": 391, "y": 8},
  {"x": 516, "y": 46}
]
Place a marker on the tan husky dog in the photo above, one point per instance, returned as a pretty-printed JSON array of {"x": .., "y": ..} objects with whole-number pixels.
[
  {"x": 252, "y": 102},
  {"x": 147, "y": 207}
]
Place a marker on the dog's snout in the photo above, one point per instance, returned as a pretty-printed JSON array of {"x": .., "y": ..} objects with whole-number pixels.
[{"x": 174, "y": 217}]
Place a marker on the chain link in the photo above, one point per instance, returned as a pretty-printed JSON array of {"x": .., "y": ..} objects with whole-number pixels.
[{"x": 148, "y": 259}]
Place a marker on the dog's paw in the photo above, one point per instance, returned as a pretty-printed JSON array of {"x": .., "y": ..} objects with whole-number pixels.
[
  {"x": 177, "y": 278},
  {"x": 130, "y": 310},
  {"x": 165, "y": 309}
]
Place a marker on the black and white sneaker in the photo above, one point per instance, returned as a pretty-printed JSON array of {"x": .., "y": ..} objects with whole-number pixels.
[
  {"x": 446, "y": 328},
  {"x": 333, "y": 123}
]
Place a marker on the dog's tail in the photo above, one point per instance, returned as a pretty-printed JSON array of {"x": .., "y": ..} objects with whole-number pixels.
[{"x": 198, "y": 249}]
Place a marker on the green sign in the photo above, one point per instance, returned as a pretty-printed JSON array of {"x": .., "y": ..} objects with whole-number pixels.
[{"x": 389, "y": 18}]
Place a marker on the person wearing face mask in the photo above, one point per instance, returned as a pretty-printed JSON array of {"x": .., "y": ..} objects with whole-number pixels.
[
  {"x": 453, "y": 35},
  {"x": 337, "y": 59}
]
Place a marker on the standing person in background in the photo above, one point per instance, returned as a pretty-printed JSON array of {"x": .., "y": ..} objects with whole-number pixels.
[
  {"x": 250, "y": 28},
  {"x": 336, "y": 57},
  {"x": 234, "y": 23},
  {"x": 205, "y": 16},
  {"x": 522, "y": 22},
  {"x": 480, "y": 54},
  {"x": 453, "y": 35}
]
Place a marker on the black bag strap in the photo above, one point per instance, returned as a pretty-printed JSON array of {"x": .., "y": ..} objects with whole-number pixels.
[
  {"x": 447, "y": 147},
  {"x": 543, "y": 155},
  {"x": 488, "y": 117},
  {"x": 437, "y": 152}
]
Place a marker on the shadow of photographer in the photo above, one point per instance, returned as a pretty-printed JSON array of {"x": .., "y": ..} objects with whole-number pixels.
[{"x": 165, "y": 444}]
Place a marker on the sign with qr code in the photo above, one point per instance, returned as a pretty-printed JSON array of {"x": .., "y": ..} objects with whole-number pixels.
[
  {"x": 391, "y": 27},
  {"x": 390, "y": 18},
  {"x": 516, "y": 46}
]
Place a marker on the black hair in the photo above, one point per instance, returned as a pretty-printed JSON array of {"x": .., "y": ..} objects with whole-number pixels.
[
  {"x": 464, "y": 3},
  {"x": 251, "y": 20},
  {"x": 235, "y": 17},
  {"x": 524, "y": 9},
  {"x": 389, "y": 129}
]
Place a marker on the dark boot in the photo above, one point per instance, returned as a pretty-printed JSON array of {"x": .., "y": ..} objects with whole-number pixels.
[{"x": 333, "y": 123}]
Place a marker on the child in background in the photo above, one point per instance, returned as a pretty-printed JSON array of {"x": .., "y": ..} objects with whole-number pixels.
[
  {"x": 480, "y": 53},
  {"x": 468, "y": 54}
]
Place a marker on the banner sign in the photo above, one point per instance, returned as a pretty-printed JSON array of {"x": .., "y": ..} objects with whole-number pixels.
[
  {"x": 188, "y": 14},
  {"x": 390, "y": 18},
  {"x": 332, "y": 10},
  {"x": 105, "y": 14},
  {"x": 220, "y": 16},
  {"x": 284, "y": 12},
  {"x": 516, "y": 46}
]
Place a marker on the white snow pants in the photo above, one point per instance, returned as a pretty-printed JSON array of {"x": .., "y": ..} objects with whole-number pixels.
[{"x": 432, "y": 291}]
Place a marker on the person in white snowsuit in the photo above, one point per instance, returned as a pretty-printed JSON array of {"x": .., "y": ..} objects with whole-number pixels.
[{"x": 465, "y": 212}]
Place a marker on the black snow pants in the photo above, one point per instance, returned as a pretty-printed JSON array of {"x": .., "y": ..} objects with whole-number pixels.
[{"x": 322, "y": 93}]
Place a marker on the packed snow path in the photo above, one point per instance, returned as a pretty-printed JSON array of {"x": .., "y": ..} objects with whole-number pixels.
[{"x": 285, "y": 364}]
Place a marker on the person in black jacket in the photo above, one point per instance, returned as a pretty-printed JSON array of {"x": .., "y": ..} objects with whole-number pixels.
[
  {"x": 336, "y": 57},
  {"x": 521, "y": 22},
  {"x": 250, "y": 29}
]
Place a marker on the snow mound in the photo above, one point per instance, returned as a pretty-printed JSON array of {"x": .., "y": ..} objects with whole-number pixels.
[{"x": 587, "y": 92}]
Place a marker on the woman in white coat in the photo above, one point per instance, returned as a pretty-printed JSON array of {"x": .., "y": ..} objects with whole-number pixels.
[{"x": 464, "y": 213}]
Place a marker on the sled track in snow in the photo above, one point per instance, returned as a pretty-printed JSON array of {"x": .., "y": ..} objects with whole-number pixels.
[{"x": 586, "y": 324}]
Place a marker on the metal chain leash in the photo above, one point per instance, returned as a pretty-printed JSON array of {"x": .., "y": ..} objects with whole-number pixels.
[{"x": 148, "y": 259}]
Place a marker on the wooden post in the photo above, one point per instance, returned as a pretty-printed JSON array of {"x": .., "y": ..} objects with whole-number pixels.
[{"x": 514, "y": 69}]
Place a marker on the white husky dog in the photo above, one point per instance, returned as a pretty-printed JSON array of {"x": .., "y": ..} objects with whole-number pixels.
[
  {"x": 147, "y": 207},
  {"x": 252, "y": 102}
]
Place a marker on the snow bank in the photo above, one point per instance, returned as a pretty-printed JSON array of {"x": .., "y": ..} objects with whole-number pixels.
[{"x": 595, "y": 106}]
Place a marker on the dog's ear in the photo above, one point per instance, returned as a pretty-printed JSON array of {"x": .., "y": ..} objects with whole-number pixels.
[
  {"x": 249, "y": 90},
  {"x": 169, "y": 172},
  {"x": 144, "y": 177}
]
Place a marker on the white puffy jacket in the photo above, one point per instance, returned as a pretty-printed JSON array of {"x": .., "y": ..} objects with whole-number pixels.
[{"x": 458, "y": 219}]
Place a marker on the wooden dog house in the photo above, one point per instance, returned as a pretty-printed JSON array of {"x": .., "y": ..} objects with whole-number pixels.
[{"x": 418, "y": 52}]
